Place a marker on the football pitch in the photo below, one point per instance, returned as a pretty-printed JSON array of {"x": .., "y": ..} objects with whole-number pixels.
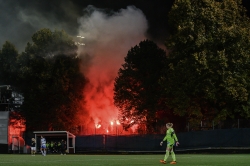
[{"x": 123, "y": 160}]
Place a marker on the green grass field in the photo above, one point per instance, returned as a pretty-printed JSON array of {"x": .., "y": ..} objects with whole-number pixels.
[{"x": 123, "y": 160}]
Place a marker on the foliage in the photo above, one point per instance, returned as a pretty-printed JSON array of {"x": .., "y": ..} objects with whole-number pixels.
[
  {"x": 208, "y": 70},
  {"x": 51, "y": 82},
  {"x": 137, "y": 93},
  {"x": 8, "y": 56}
]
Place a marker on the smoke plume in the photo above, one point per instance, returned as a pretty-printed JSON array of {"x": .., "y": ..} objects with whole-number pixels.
[
  {"x": 19, "y": 20},
  {"x": 108, "y": 37}
]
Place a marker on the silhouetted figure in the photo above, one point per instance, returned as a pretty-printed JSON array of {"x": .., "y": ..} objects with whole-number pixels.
[{"x": 63, "y": 147}]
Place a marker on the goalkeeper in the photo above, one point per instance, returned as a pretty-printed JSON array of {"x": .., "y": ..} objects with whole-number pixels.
[{"x": 171, "y": 138}]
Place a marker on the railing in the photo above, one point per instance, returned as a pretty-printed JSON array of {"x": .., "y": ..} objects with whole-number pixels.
[{"x": 213, "y": 125}]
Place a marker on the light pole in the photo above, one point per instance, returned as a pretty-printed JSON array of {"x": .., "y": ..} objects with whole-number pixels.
[
  {"x": 97, "y": 126},
  {"x": 116, "y": 128},
  {"x": 117, "y": 123},
  {"x": 111, "y": 123}
]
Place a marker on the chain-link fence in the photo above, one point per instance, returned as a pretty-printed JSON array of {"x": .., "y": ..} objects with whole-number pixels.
[{"x": 213, "y": 125}]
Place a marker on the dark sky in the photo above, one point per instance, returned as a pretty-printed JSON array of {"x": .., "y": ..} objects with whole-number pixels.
[{"x": 19, "y": 19}]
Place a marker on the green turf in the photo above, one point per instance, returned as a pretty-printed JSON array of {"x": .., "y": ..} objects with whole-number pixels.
[{"x": 123, "y": 160}]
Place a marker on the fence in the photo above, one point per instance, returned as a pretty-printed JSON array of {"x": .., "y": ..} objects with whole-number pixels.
[
  {"x": 118, "y": 143},
  {"x": 213, "y": 125},
  {"x": 221, "y": 138}
]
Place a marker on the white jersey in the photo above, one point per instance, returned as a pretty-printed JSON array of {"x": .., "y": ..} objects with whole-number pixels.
[{"x": 43, "y": 141}]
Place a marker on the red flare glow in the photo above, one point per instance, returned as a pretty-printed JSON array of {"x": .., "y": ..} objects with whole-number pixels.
[
  {"x": 98, "y": 126},
  {"x": 107, "y": 41}
]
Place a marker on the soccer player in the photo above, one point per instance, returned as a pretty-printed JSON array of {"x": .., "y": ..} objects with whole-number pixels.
[
  {"x": 171, "y": 138},
  {"x": 43, "y": 146},
  {"x": 63, "y": 147},
  {"x": 33, "y": 146}
]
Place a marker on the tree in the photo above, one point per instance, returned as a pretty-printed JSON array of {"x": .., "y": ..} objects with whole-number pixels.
[
  {"x": 208, "y": 70},
  {"x": 8, "y": 56},
  {"x": 137, "y": 93},
  {"x": 51, "y": 82}
]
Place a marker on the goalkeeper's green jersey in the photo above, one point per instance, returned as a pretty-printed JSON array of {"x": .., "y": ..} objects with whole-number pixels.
[{"x": 170, "y": 136}]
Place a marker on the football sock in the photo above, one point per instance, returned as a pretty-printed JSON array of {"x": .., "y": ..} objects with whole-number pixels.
[
  {"x": 166, "y": 155},
  {"x": 173, "y": 156}
]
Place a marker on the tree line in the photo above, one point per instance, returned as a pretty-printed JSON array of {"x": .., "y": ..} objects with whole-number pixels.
[
  {"x": 48, "y": 76},
  {"x": 202, "y": 74},
  {"x": 203, "y": 77}
]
